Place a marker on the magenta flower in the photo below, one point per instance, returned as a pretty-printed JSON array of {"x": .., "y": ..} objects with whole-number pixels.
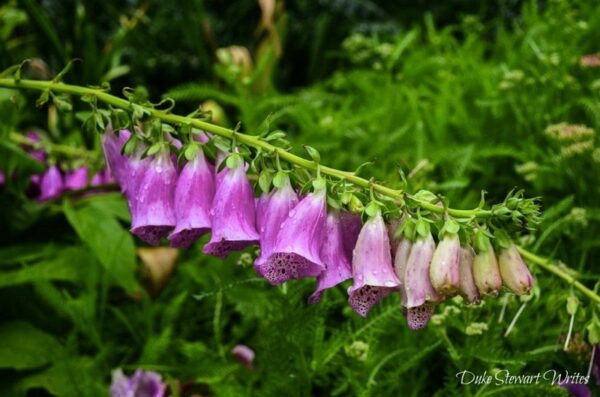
[
  {"x": 244, "y": 355},
  {"x": 296, "y": 253},
  {"x": 232, "y": 214},
  {"x": 337, "y": 265},
  {"x": 117, "y": 163},
  {"x": 271, "y": 214},
  {"x": 514, "y": 272},
  {"x": 350, "y": 225},
  {"x": 372, "y": 270},
  {"x": 51, "y": 184},
  {"x": 468, "y": 289},
  {"x": 193, "y": 198},
  {"x": 76, "y": 179},
  {"x": 417, "y": 284},
  {"x": 141, "y": 384},
  {"x": 2, "y": 178},
  {"x": 153, "y": 214},
  {"x": 444, "y": 270}
]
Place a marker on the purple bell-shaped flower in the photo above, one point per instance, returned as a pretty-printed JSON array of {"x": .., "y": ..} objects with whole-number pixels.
[
  {"x": 232, "y": 214},
  {"x": 271, "y": 214},
  {"x": 193, "y": 199},
  {"x": 337, "y": 265},
  {"x": 51, "y": 184},
  {"x": 153, "y": 214},
  {"x": 372, "y": 270},
  {"x": 141, "y": 384},
  {"x": 296, "y": 253},
  {"x": 417, "y": 284}
]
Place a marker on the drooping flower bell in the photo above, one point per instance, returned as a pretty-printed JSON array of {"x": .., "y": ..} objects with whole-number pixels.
[
  {"x": 485, "y": 266},
  {"x": 468, "y": 289},
  {"x": 444, "y": 271},
  {"x": 153, "y": 214},
  {"x": 141, "y": 384},
  {"x": 193, "y": 199},
  {"x": 337, "y": 265},
  {"x": 232, "y": 213},
  {"x": 296, "y": 253},
  {"x": 51, "y": 184},
  {"x": 76, "y": 179},
  {"x": 116, "y": 161},
  {"x": 514, "y": 272},
  {"x": 270, "y": 217},
  {"x": 372, "y": 270},
  {"x": 417, "y": 283}
]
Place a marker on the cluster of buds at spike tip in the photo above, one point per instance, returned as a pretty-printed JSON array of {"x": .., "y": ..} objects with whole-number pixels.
[
  {"x": 58, "y": 177},
  {"x": 306, "y": 233}
]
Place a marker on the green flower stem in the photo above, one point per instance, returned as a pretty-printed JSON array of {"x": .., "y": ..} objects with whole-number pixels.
[
  {"x": 256, "y": 142},
  {"x": 560, "y": 271},
  {"x": 244, "y": 138}
]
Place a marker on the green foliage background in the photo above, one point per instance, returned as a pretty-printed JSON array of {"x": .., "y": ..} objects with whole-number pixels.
[{"x": 455, "y": 96}]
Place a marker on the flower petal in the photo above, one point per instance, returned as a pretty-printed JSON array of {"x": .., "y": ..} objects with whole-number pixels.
[
  {"x": 232, "y": 214},
  {"x": 296, "y": 253},
  {"x": 193, "y": 199},
  {"x": 372, "y": 270},
  {"x": 337, "y": 265}
]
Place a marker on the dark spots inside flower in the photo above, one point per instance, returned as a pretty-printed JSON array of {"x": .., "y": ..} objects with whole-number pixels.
[
  {"x": 186, "y": 237},
  {"x": 364, "y": 298},
  {"x": 418, "y": 317},
  {"x": 224, "y": 247},
  {"x": 284, "y": 266},
  {"x": 152, "y": 234}
]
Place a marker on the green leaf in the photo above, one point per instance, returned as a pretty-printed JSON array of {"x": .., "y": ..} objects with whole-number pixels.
[
  {"x": 69, "y": 377},
  {"x": 67, "y": 265},
  {"x": 313, "y": 153},
  {"x": 372, "y": 208},
  {"x": 24, "y": 346},
  {"x": 264, "y": 180},
  {"x": 112, "y": 245},
  {"x": 280, "y": 179}
]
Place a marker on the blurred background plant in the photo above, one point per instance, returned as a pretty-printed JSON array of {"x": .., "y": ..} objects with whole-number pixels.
[{"x": 455, "y": 97}]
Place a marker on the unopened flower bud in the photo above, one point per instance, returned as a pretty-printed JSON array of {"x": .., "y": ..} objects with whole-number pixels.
[
  {"x": 444, "y": 268},
  {"x": 486, "y": 273},
  {"x": 515, "y": 274}
]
